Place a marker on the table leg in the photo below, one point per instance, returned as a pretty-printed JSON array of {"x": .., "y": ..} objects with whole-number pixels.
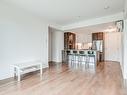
[
  {"x": 14, "y": 73},
  {"x": 19, "y": 75},
  {"x": 41, "y": 70}
]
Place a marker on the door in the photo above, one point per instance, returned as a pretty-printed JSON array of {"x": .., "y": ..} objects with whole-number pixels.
[{"x": 113, "y": 46}]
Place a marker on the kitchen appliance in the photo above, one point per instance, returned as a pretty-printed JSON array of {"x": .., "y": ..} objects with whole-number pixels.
[{"x": 98, "y": 45}]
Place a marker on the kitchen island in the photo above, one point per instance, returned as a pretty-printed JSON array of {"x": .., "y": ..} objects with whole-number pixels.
[{"x": 89, "y": 57}]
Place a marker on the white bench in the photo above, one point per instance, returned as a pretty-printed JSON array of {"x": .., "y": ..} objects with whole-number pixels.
[{"x": 23, "y": 68}]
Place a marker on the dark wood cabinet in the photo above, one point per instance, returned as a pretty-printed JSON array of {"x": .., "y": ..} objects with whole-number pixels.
[
  {"x": 94, "y": 36},
  {"x": 98, "y": 36},
  {"x": 69, "y": 40}
]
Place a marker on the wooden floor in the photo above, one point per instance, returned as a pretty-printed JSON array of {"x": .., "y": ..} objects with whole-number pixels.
[{"x": 71, "y": 79}]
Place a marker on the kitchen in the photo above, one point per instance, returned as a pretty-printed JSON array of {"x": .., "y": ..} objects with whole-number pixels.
[{"x": 93, "y": 44}]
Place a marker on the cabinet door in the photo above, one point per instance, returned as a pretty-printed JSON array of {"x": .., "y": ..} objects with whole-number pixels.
[
  {"x": 97, "y": 36},
  {"x": 100, "y": 36},
  {"x": 65, "y": 40},
  {"x": 69, "y": 40},
  {"x": 94, "y": 36}
]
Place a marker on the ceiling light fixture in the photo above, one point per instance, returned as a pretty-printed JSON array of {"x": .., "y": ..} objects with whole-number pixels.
[
  {"x": 106, "y": 7},
  {"x": 78, "y": 16}
]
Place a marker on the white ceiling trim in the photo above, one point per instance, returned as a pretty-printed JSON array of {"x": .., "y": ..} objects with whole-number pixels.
[
  {"x": 56, "y": 26},
  {"x": 106, "y": 19}
]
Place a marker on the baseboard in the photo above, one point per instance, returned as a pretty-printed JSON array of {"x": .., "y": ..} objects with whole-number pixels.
[
  {"x": 6, "y": 80},
  {"x": 51, "y": 61},
  {"x": 124, "y": 74},
  {"x": 45, "y": 65},
  {"x": 55, "y": 61},
  {"x": 122, "y": 70}
]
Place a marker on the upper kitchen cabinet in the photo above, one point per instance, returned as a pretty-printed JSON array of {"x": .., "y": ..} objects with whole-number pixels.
[
  {"x": 69, "y": 40},
  {"x": 98, "y": 36}
]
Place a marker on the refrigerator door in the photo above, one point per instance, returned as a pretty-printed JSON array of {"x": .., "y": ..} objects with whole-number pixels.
[{"x": 98, "y": 45}]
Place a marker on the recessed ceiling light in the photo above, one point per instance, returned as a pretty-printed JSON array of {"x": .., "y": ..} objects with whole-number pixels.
[
  {"x": 78, "y": 16},
  {"x": 106, "y": 7}
]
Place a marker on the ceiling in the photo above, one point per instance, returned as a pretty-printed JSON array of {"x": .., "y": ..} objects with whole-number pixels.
[
  {"x": 95, "y": 28},
  {"x": 64, "y": 12}
]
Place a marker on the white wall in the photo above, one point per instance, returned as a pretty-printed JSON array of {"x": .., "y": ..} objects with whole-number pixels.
[
  {"x": 125, "y": 50},
  {"x": 113, "y": 46},
  {"x": 23, "y": 37},
  {"x": 125, "y": 10},
  {"x": 49, "y": 45},
  {"x": 83, "y": 37},
  {"x": 57, "y": 45},
  {"x": 125, "y": 42}
]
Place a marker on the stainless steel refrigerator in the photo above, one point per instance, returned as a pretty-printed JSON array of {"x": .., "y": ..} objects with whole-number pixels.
[{"x": 99, "y": 46}]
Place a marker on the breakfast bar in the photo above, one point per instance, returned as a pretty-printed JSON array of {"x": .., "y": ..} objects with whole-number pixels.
[{"x": 89, "y": 57}]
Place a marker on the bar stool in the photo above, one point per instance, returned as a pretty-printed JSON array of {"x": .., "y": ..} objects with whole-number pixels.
[
  {"x": 69, "y": 54},
  {"x": 75, "y": 56},
  {"x": 91, "y": 54},
  {"x": 82, "y": 57}
]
